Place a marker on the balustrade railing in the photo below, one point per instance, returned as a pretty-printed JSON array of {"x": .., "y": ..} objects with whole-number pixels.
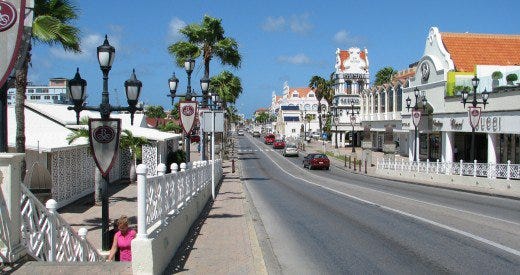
[
  {"x": 48, "y": 237},
  {"x": 166, "y": 194},
  {"x": 475, "y": 169}
]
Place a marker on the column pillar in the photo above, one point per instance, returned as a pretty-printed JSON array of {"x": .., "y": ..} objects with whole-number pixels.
[
  {"x": 491, "y": 150},
  {"x": 10, "y": 168},
  {"x": 447, "y": 147}
]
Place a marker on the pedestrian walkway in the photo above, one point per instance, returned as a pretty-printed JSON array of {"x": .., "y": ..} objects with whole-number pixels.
[{"x": 222, "y": 240}]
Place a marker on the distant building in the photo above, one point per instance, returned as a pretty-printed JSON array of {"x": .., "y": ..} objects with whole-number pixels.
[{"x": 55, "y": 92}]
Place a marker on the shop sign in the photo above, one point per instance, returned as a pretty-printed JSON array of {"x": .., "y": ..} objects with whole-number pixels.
[
  {"x": 490, "y": 124},
  {"x": 416, "y": 117},
  {"x": 104, "y": 142},
  {"x": 347, "y": 100}
]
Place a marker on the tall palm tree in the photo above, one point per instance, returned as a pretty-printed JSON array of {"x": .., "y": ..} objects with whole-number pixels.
[
  {"x": 51, "y": 25},
  {"x": 207, "y": 39},
  {"x": 317, "y": 84},
  {"x": 135, "y": 145}
]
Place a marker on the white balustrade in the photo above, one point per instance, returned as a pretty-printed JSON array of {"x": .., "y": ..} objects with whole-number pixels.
[
  {"x": 166, "y": 194},
  {"x": 48, "y": 237},
  {"x": 474, "y": 169}
]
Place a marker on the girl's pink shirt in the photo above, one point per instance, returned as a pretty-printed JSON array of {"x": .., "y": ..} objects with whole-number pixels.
[{"x": 124, "y": 244}]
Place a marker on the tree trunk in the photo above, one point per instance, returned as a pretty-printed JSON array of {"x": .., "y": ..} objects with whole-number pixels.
[{"x": 21, "y": 85}]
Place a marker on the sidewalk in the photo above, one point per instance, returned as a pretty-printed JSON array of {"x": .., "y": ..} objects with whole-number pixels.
[{"x": 222, "y": 240}]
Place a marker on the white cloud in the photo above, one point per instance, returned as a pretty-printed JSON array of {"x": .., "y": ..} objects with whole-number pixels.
[
  {"x": 173, "y": 29},
  {"x": 272, "y": 24},
  {"x": 343, "y": 38},
  {"x": 88, "y": 48},
  {"x": 297, "y": 59},
  {"x": 300, "y": 23}
]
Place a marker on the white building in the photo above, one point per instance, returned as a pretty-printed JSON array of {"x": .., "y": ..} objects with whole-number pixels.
[
  {"x": 55, "y": 92},
  {"x": 351, "y": 77},
  {"x": 449, "y": 62},
  {"x": 292, "y": 107}
]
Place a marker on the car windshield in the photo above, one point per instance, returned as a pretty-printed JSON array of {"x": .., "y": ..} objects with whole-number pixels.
[
  {"x": 291, "y": 145},
  {"x": 279, "y": 140},
  {"x": 319, "y": 156}
]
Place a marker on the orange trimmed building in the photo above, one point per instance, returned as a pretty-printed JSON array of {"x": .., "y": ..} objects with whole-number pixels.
[{"x": 449, "y": 63}]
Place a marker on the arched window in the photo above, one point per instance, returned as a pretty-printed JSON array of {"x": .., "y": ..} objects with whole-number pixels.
[
  {"x": 390, "y": 99},
  {"x": 349, "y": 87},
  {"x": 383, "y": 100},
  {"x": 399, "y": 95},
  {"x": 376, "y": 102},
  {"x": 315, "y": 106},
  {"x": 361, "y": 86},
  {"x": 307, "y": 107}
]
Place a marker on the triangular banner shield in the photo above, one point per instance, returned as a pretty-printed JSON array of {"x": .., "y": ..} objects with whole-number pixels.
[
  {"x": 416, "y": 117},
  {"x": 474, "y": 116},
  {"x": 188, "y": 112},
  {"x": 104, "y": 142},
  {"x": 11, "y": 31}
]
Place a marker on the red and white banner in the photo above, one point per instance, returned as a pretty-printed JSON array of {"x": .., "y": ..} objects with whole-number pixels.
[
  {"x": 188, "y": 113},
  {"x": 416, "y": 117},
  {"x": 104, "y": 142},
  {"x": 11, "y": 31},
  {"x": 474, "y": 116}
]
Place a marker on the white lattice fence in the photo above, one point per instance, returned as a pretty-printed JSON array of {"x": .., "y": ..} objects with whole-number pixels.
[
  {"x": 150, "y": 157},
  {"x": 48, "y": 237}
]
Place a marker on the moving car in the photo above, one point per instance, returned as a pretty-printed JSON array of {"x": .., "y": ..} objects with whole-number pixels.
[
  {"x": 240, "y": 132},
  {"x": 279, "y": 144},
  {"x": 256, "y": 134},
  {"x": 316, "y": 160},
  {"x": 269, "y": 139},
  {"x": 290, "y": 150}
]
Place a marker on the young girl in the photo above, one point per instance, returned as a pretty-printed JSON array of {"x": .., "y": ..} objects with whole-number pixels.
[{"x": 122, "y": 241}]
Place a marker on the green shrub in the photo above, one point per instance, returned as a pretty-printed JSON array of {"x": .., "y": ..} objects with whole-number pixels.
[
  {"x": 497, "y": 75},
  {"x": 511, "y": 77}
]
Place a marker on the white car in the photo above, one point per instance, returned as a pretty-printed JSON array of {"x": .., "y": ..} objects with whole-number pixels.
[
  {"x": 240, "y": 132},
  {"x": 290, "y": 150}
]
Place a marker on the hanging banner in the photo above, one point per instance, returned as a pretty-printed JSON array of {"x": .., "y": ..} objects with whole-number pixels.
[
  {"x": 474, "y": 116},
  {"x": 416, "y": 117},
  {"x": 104, "y": 142},
  {"x": 188, "y": 112},
  {"x": 11, "y": 32}
]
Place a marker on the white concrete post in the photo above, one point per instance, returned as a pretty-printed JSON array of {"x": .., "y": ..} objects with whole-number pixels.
[
  {"x": 460, "y": 168},
  {"x": 51, "y": 206},
  {"x": 141, "y": 171},
  {"x": 174, "y": 167},
  {"x": 82, "y": 233},
  {"x": 492, "y": 142},
  {"x": 427, "y": 166},
  {"x": 183, "y": 167},
  {"x": 447, "y": 147},
  {"x": 475, "y": 168},
  {"x": 508, "y": 169},
  {"x": 411, "y": 143},
  {"x": 437, "y": 166},
  {"x": 161, "y": 169},
  {"x": 10, "y": 189}
]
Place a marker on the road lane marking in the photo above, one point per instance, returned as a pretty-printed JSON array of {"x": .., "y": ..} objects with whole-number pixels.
[{"x": 434, "y": 223}]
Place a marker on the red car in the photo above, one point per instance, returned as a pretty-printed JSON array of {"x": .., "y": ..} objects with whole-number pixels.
[
  {"x": 279, "y": 144},
  {"x": 269, "y": 139},
  {"x": 316, "y": 160}
]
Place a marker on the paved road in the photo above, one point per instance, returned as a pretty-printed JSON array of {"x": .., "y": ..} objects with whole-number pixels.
[{"x": 332, "y": 222}]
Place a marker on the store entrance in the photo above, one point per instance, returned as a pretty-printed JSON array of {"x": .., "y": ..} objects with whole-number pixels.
[{"x": 462, "y": 148}]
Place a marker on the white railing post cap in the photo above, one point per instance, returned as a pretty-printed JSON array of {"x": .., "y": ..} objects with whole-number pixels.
[
  {"x": 161, "y": 167},
  {"x": 141, "y": 169},
  {"x": 82, "y": 232},
  {"x": 51, "y": 204}
]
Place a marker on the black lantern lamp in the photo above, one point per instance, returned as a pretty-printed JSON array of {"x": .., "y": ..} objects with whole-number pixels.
[
  {"x": 204, "y": 86},
  {"x": 133, "y": 90},
  {"x": 76, "y": 91},
  {"x": 106, "y": 54},
  {"x": 172, "y": 83}
]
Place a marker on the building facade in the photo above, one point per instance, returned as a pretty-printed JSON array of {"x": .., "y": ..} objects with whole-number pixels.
[
  {"x": 55, "y": 92},
  {"x": 449, "y": 62},
  {"x": 351, "y": 77}
]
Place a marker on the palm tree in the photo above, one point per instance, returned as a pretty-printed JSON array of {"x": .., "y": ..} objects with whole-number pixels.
[
  {"x": 207, "y": 38},
  {"x": 51, "y": 25},
  {"x": 227, "y": 86},
  {"x": 317, "y": 83},
  {"x": 384, "y": 75}
]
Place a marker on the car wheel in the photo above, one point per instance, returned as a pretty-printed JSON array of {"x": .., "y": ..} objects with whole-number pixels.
[
  {"x": 327, "y": 168},
  {"x": 310, "y": 167}
]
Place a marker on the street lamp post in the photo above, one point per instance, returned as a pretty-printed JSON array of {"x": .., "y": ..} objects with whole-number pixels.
[
  {"x": 303, "y": 114},
  {"x": 336, "y": 121},
  {"x": 474, "y": 111},
  {"x": 353, "y": 122},
  {"x": 77, "y": 91},
  {"x": 215, "y": 105},
  {"x": 189, "y": 64},
  {"x": 416, "y": 116}
]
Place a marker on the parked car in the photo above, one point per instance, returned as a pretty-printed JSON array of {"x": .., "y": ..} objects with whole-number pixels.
[
  {"x": 290, "y": 150},
  {"x": 240, "y": 132},
  {"x": 279, "y": 144},
  {"x": 269, "y": 139},
  {"x": 256, "y": 134},
  {"x": 315, "y": 160}
]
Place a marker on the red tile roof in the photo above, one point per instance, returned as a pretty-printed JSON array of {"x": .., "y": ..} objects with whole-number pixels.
[
  {"x": 302, "y": 91},
  {"x": 468, "y": 49}
]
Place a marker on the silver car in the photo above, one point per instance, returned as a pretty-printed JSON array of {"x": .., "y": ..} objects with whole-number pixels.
[{"x": 290, "y": 150}]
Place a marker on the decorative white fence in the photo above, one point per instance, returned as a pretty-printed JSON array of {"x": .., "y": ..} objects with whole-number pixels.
[
  {"x": 161, "y": 196},
  {"x": 48, "y": 237},
  {"x": 475, "y": 169}
]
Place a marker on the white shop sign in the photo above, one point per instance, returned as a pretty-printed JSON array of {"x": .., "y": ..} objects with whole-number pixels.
[{"x": 490, "y": 124}]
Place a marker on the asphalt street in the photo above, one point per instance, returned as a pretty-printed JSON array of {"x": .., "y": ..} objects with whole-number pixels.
[{"x": 331, "y": 222}]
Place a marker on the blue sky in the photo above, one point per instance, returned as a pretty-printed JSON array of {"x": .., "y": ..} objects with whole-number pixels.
[{"x": 279, "y": 40}]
